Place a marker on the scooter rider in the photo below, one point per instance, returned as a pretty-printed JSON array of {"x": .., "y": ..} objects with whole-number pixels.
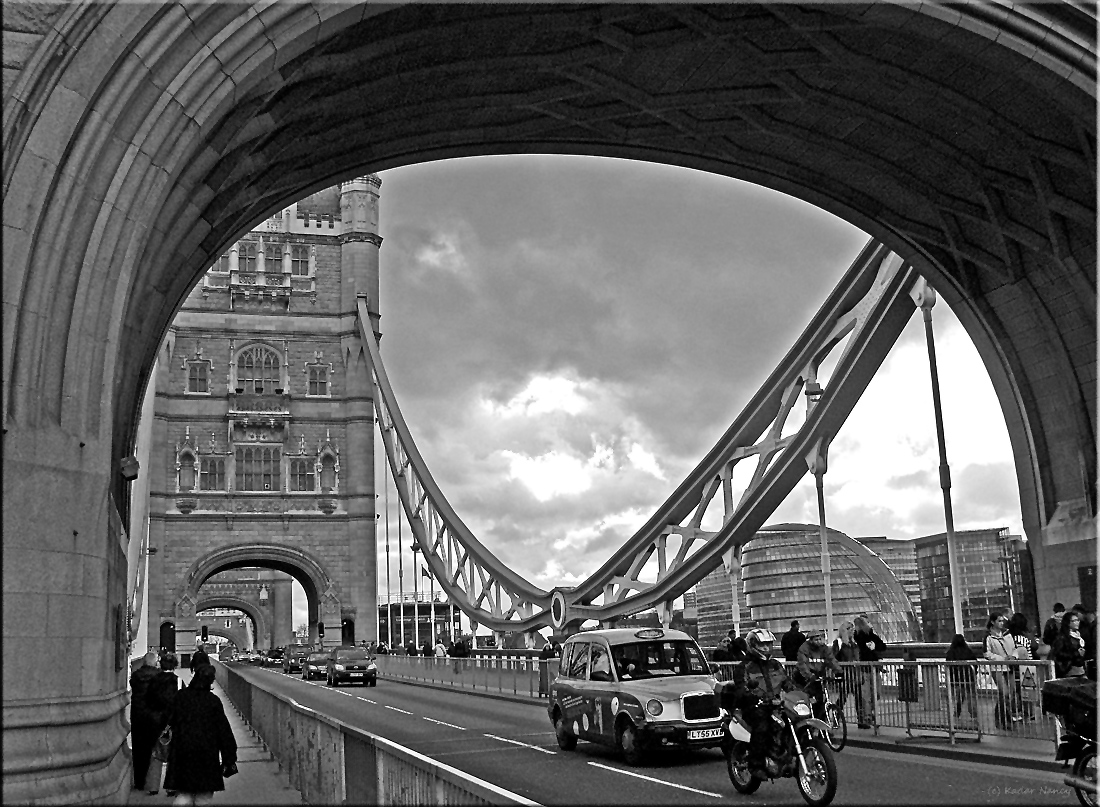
[
  {"x": 813, "y": 657},
  {"x": 762, "y": 680}
]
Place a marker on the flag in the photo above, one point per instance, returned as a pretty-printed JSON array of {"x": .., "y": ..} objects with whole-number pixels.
[{"x": 424, "y": 572}]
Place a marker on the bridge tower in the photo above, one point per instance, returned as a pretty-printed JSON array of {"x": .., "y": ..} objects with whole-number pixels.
[{"x": 262, "y": 460}]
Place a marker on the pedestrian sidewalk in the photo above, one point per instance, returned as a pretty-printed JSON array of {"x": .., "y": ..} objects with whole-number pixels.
[{"x": 259, "y": 779}]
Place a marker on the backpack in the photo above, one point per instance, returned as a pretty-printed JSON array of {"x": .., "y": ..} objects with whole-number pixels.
[{"x": 1050, "y": 630}]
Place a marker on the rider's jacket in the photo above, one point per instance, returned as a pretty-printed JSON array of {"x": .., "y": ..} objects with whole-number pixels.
[
  {"x": 760, "y": 679},
  {"x": 813, "y": 659}
]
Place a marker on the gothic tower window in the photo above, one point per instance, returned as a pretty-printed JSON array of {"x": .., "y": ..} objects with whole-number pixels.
[
  {"x": 318, "y": 380},
  {"x": 299, "y": 260},
  {"x": 247, "y": 257},
  {"x": 259, "y": 370},
  {"x": 212, "y": 473},
  {"x": 257, "y": 468},
  {"x": 198, "y": 377},
  {"x": 301, "y": 474}
]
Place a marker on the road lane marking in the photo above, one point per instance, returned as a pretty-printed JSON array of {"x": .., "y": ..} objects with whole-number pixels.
[
  {"x": 656, "y": 781},
  {"x": 517, "y": 742},
  {"x": 440, "y": 722},
  {"x": 402, "y": 711}
]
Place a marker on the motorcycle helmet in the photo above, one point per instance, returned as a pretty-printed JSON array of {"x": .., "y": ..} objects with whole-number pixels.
[{"x": 759, "y": 642}]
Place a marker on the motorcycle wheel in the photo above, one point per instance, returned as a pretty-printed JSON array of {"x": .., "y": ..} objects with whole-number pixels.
[
  {"x": 737, "y": 767},
  {"x": 837, "y": 736},
  {"x": 631, "y": 745},
  {"x": 818, "y": 783},
  {"x": 1085, "y": 767}
]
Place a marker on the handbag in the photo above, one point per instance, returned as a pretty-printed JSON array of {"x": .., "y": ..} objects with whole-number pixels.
[
  {"x": 229, "y": 769},
  {"x": 164, "y": 741}
]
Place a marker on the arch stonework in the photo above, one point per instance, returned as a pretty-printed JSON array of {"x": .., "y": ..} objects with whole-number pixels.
[
  {"x": 140, "y": 140},
  {"x": 248, "y": 606}
]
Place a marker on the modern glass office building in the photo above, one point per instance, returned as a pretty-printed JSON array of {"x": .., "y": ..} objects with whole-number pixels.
[{"x": 781, "y": 581}]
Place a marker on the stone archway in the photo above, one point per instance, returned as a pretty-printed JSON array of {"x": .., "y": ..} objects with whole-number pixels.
[
  {"x": 255, "y": 614},
  {"x": 140, "y": 139}
]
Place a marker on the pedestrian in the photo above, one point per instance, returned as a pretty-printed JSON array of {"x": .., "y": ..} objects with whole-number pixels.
[
  {"x": 1027, "y": 647},
  {"x": 846, "y": 652},
  {"x": 869, "y": 646},
  {"x": 1052, "y": 626},
  {"x": 1069, "y": 648},
  {"x": 722, "y": 652},
  {"x": 160, "y": 698},
  {"x": 410, "y": 649},
  {"x": 738, "y": 649},
  {"x": 146, "y": 723},
  {"x": 963, "y": 677},
  {"x": 428, "y": 650},
  {"x": 999, "y": 647},
  {"x": 1088, "y": 633},
  {"x": 791, "y": 641},
  {"x": 198, "y": 658},
  {"x": 440, "y": 649},
  {"x": 203, "y": 749}
]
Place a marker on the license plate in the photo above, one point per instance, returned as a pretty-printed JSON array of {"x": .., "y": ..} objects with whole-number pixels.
[
  {"x": 353, "y": 675},
  {"x": 704, "y": 734}
]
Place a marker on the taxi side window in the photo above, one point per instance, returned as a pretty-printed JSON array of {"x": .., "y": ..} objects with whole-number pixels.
[
  {"x": 600, "y": 664},
  {"x": 566, "y": 654},
  {"x": 578, "y": 664}
]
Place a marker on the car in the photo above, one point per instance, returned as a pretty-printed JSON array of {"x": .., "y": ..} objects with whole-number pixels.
[
  {"x": 637, "y": 690},
  {"x": 274, "y": 657},
  {"x": 293, "y": 658},
  {"x": 315, "y": 665},
  {"x": 254, "y": 658},
  {"x": 351, "y": 665}
]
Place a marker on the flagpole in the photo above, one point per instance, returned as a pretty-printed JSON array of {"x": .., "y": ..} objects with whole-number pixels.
[
  {"x": 431, "y": 605},
  {"x": 400, "y": 575},
  {"x": 389, "y": 590},
  {"x": 416, "y": 596}
]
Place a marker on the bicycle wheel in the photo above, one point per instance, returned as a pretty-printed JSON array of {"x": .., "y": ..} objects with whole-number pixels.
[{"x": 837, "y": 736}]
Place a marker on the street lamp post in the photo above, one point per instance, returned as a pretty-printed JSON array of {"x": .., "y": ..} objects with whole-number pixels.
[{"x": 818, "y": 464}]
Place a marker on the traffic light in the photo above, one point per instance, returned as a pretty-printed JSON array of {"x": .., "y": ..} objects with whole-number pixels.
[
  {"x": 205, "y": 633},
  {"x": 321, "y": 629}
]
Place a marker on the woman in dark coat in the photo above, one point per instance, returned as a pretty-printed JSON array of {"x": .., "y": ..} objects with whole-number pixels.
[
  {"x": 202, "y": 740},
  {"x": 160, "y": 697},
  {"x": 1069, "y": 648},
  {"x": 146, "y": 722},
  {"x": 963, "y": 678}
]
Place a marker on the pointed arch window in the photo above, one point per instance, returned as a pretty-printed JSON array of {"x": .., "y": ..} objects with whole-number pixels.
[
  {"x": 259, "y": 370},
  {"x": 247, "y": 256},
  {"x": 186, "y": 479}
]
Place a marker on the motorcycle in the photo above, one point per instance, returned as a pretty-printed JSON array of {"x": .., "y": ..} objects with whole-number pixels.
[
  {"x": 795, "y": 748},
  {"x": 1082, "y": 751},
  {"x": 1072, "y": 702}
]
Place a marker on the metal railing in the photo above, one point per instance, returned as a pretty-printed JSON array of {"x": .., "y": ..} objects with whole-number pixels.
[
  {"x": 330, "y": 762},
  {"x": 510, "y": 675},
  {"x": 963, "y": 699}
]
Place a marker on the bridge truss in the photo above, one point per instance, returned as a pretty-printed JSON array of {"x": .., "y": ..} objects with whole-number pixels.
[{"x": 856, "y": 327}]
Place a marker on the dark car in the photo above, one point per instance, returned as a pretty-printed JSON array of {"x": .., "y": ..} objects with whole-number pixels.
[
  {"x": 351, "y": 665},
  {"x": 274, "y": 657},
  {"x": 293, "y": 658},
  {"x": 315, "y": 665}
]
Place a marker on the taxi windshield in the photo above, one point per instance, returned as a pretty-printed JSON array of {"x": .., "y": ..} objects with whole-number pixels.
[
  {"x": 352, "y": 654},
  {"x": 650, "y": 659}
]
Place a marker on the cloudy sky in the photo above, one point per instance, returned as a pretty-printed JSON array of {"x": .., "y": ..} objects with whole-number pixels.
[{"x": 567, "y": 337}]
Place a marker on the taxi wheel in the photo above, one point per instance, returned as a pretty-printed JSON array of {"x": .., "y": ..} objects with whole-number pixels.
[
  {"x": 631, "y": 745},
  {"x": 566, "y": 741}
]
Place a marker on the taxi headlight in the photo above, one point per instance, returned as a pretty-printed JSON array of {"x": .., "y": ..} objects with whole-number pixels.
[
  {"x": 339, "y": 667},
  {"x": 372, "y": 666},
  {"x": 802, "y": 709},
  {"x": 654, "y": 707}
]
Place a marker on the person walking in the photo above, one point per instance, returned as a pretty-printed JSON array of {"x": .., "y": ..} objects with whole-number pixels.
[
  {"x": 203, "y": 748},
  {"x": 1069, "y": 648},
  {"x": 869, "y": 646},
  {"x": 963, "y": 678},
  {"x": 1088, "y": 633},
  {"x": 999, "y": 647},
  {"x": 146, "y": 722},
  {"x": 1027, "y": 647},
  {"x": 161, "y": 696},
  {"x": 440, "y": 649},
  {"x": 1052, "y": 626},
  {"x": 738, "y": 649},
  {"x": 791, "y": 641},
  {"x": 198, "y": 658},
  {"x": 845, "y": 650}
]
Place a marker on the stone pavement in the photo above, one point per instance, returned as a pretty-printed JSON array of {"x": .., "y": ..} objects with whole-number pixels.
[{"x": 260, "y": 779}]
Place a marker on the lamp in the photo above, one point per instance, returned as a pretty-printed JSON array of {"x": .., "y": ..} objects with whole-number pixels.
[{"x": 263, "y": 594}]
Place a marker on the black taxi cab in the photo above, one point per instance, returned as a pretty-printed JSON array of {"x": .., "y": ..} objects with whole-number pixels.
[{"x": 635, "y": 690}]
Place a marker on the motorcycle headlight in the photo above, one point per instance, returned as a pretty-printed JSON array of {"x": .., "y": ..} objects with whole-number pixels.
[
  {"x": 802, "y": 709},
  {"x": 654, "y": 707},
  {"x": 339, "y": 667},
  {"x": 372, "y": 666}
]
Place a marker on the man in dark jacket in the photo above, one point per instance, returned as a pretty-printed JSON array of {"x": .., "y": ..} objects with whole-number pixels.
[
  {"x": 146, "y": 721},
  {"x": 198, "y": 658},
  {"x": 1053, "y": 625},
  {"x": 869, "y": 646},
  {"x": 202, "y": 739},
  {"x": 792, "y": 640},
  {"x": 738, "y": 649},
  {"x": 813, "y": 658},
  {"x": 760, "y": 680}
]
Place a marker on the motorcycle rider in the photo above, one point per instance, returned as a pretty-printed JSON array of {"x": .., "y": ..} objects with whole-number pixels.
[
  {"x": 761, "y": 680},
  {"x": 813, "y": 657}
]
